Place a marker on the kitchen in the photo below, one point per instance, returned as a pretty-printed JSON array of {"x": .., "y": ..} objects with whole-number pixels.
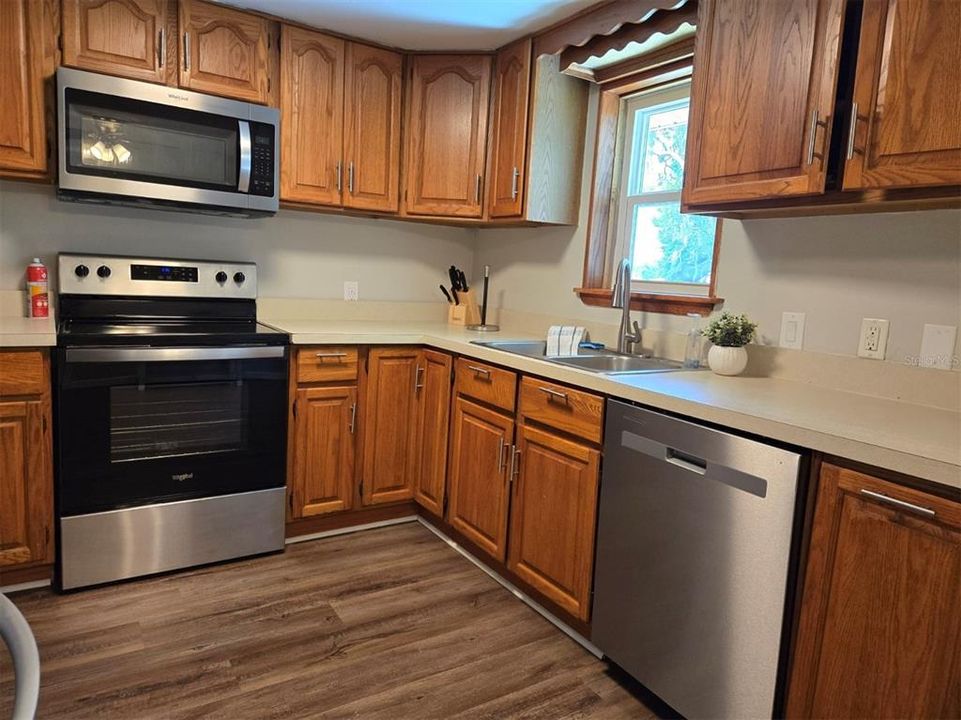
[{"x": 448, "y": 504}]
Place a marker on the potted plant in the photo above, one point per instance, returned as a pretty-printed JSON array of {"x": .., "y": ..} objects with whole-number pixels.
[{"x": 729, "y": 334}]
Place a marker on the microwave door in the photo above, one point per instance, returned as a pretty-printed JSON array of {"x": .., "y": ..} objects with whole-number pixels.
[{"x": 243, "y": 176}]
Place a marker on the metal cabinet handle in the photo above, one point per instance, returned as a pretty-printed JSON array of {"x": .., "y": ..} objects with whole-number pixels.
[
  {"x": 340, "y": 176},
  {"x": 350, "y": 177},
  {"x": 479, "y": 370},
  {"x": 330, "y": 354},
  {"x": 417, "y": 374},
  {"x": 501, "y": 458},
  {"x": 551, "y": 393},
  {"x": 852, "y": 128},
  {"x": 515, "y": 464},
  {"x": 813, "y": 136},
  {"x": 353, "y": 417},
  {"x": 162, "y": 52},
  {"x": 928, "y": 512},
  {"x": 477, "y": 190},
  {"x": 186, "y": 51},
  {"x": 516, "y": 174}
]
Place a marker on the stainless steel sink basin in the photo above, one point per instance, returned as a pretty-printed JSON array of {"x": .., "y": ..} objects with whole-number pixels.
[{"x": 603, "y": 362}]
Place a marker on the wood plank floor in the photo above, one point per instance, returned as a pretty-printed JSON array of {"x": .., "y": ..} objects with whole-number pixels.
[{"x": 387, "y": 623}]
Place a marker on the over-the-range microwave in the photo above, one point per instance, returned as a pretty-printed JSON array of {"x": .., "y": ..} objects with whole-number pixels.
[{"x": 133, "y": 143}]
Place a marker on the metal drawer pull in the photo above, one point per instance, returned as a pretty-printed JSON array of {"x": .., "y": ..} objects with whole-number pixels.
[
  {"x": 899, "y": 503},
  {"x": 476, "y": 369},
  {"x": 551, "y": 393},
  {"x": 330, "y": 354},
  {"x": 852, "y": 129},
  {"x": 353, "y": 417}
]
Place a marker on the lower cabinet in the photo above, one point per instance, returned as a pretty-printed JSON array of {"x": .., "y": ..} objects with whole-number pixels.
[
  {"x": 479, "y": 475},
  {"x": 553, "y": 513},
  {"x": 26, "y": 477},
  {"x": 433, "y": 420},
  {"x": 323, "y": 471},
  {"x": 879, "y": 629}
]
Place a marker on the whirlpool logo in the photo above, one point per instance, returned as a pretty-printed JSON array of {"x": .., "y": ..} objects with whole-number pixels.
[{"x": 182, "y": 476}]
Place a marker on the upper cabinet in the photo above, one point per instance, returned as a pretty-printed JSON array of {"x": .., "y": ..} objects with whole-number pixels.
[
  {"x": 372, "y": 127},
  {"x": 312, "y": 115},
  {"x": 905, "y": 125},
  {"x": 131, "y": 38},
  {"x": 762, "y": 99},
  {"x": 23, "y": 143},
  {"x": 225, "y": 51},
  {"x": 447, "y": 132},
  {"x": 506, "y": 168}
]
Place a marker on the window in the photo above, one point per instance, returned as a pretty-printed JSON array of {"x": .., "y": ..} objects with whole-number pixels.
[{"x": 670, "y": 253}]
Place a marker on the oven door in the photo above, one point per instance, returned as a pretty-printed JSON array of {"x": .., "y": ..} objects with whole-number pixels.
[{"x": 140, "y": 425}]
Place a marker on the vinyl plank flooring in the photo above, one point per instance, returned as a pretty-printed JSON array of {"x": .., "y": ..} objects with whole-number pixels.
[{"x": 388, "y": 623}]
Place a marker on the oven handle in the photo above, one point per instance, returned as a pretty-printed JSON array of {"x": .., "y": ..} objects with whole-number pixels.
[
  {"x": 243, "y": 181},
  {"x": 171, "y": 354}
]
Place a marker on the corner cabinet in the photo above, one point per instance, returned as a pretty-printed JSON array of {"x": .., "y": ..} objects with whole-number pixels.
[
  {"x": 432, "y": 396},
  {"x": 26, "y": 465},
  {"x": 879, "y": 629},
  {"x": 447, "y": 135}
]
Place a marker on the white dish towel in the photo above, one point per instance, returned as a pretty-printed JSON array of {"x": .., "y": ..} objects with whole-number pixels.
[{"x": 565, "y": 339}]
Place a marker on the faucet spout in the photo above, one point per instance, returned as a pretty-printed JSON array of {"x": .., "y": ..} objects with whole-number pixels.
[{"x": 621, "y": 298}]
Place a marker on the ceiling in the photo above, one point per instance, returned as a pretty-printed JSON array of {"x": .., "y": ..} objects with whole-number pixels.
[{"x": 424, "y": 24}]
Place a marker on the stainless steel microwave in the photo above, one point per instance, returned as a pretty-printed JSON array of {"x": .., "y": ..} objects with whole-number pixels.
[{"x": 134, "y": 143}]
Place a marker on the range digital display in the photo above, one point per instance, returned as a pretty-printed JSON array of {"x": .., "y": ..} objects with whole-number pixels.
[{"x": 173, "y": 273}]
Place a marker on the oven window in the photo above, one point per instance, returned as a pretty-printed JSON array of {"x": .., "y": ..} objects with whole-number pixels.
[{"x": 156, "y": 421}]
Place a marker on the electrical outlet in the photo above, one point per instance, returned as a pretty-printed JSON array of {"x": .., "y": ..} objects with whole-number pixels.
[
  {"x": 874, "y": 338},
  {"x": 351, "y": 293},
  {"x": 792, "y": 330}
]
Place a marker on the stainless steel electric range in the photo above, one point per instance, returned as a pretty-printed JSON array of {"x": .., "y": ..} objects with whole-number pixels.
[{"x": 170, "y": 418}]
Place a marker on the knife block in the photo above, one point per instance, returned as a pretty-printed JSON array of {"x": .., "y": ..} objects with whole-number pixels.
[{"x": 467, "y": 313}]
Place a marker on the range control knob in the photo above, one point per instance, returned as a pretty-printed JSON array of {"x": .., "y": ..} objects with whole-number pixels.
[
  {"x": 81, "y": 271},
  {"x": 239, "y": 277},
  {"x": 221, "y": 277},
  {"x": 103, "y": 272}
]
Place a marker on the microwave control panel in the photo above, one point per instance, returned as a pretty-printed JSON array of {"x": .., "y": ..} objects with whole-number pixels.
[{"x": 263, "y": 159}]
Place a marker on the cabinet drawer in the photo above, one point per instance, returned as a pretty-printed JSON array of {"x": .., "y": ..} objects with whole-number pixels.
[
  {"x": 572, "y": 411},
  {"x": 487, "y": 383},
  {"x": 325, "y": 364},
  {"x": 21, "y": 373}
]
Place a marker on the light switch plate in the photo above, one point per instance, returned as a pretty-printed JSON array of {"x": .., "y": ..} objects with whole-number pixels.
[
  {"x": 937, "y": 346},
  {"x": 792, "y": 330},
  {"x": 351, "y": 292},
  {"x": 874, "y": 338}
]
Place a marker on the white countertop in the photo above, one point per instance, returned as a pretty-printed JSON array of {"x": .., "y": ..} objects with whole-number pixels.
[
  {"x": 27, "y": 332},
  {"x": 913, "y": 439}
]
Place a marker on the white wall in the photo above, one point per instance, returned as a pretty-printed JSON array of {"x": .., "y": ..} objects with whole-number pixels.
[{"x": 299, "y": 254}]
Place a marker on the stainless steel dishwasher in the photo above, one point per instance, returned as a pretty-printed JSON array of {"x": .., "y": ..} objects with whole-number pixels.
[{"x": 694, "y": 558}]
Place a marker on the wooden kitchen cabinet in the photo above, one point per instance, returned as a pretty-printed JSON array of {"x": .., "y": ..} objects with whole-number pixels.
[
  {"x": 372, "y": 116},
  {"x": 446, "y": 135},
  {"x": 312, "y": 113},
  {"x": 26, "y": 467},
  {"x": 507, "y": 167},
  {"x": 224, "y": 51},
  {"x": 762, "y": 99},
  {"x": 553, "y": 514},
  {"x": 907, "y": 90},
  {"x": 479, "y": 475},
  {"x": 130, "y": 38},
  {"x": 433, "y": 390},
  {"x": 323, "y": 475},
  {"x": 879, "y": 629},
  {"x": 390, "y": 433},
  {"x": 23, "y": 68}
]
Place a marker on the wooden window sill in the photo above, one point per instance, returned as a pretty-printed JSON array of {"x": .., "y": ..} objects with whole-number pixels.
[{"x": 653, "y": 302}]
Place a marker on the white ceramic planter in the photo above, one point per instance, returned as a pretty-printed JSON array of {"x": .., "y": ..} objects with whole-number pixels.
[{"x": 727, "y": 360}]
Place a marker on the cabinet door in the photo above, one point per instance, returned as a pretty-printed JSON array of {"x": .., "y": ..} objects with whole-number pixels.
[
  {"x": 26, "y": 488},
  {"x": 553, "y": 515},
  {"x": 372, "y": 122},
  {"x": 478, "y": 502},
  {"x": 447, "y": 132},
  {"x": 23, "y": 142},
  {"x": 880, "y": 630},
  {"x": 761, "y": 99},
  {"x": 507, "y": 169},
  {"x": 908, "y": 93},
  {"x": 224, "y": 51},
  {"x": 390, "y": 431},
  {"x": 433, "y": 418},
  {"x": 120, "y": 37},
  {"x": 312, "y": 108},
  {"x": 324, "y": 450}
]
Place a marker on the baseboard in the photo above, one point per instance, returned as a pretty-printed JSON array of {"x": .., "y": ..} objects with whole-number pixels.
[{"x": 350, "y": 529}]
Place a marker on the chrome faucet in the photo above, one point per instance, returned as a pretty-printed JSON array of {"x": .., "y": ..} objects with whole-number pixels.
[{"x": 621, "y": 298}]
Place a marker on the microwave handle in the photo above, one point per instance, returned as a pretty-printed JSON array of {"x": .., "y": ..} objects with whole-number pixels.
[{"x": 243, "y": 180}]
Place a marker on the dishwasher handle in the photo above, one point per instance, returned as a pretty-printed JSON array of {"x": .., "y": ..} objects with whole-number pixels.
[{"x": 683, "y": 460}]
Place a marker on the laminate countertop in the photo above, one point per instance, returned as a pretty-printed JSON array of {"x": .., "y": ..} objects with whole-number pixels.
[
  {"x": 916, "y": 440},
  {"x": 27, "y": 332}
]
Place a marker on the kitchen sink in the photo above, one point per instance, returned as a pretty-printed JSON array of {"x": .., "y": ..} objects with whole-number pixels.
[{"x": 604, "y": 362}]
